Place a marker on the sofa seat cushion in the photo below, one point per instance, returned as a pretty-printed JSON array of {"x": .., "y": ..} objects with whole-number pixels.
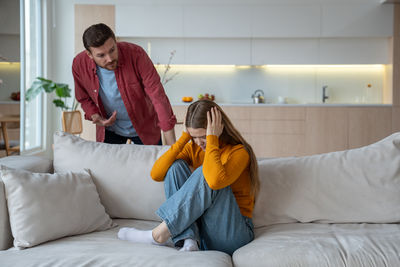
[
  {"x": 308, "y": 244},
  {"x": 104, "y": 249}
]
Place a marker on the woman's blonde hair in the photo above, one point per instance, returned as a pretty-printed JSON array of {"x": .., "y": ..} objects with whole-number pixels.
[{"x": 196, "y": 117}]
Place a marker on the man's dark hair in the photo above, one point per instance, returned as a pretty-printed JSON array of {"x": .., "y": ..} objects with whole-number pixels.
[{"x": 96, "y": 35}]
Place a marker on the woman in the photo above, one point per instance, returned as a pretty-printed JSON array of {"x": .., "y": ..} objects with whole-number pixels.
[{"x": 212, "y": 206}]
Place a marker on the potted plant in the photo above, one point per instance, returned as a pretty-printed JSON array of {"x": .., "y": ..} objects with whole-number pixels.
[{"x": 71, "y": 118}]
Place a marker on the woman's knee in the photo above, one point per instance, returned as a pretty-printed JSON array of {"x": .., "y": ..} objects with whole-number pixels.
[
  {"x": 179, "y": 165},
  {"x": 178, "y": 170}
]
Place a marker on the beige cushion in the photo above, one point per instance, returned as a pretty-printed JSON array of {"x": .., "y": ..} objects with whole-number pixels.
[
  {"x": 120, "y": 172},
  {"x": 358, "y": 185},
  {"x": 29, "y": 163},
  {"x": 313, "y": 244},
  {"x": 104, "y": 249},
  {"x": 45, "y": 207}
]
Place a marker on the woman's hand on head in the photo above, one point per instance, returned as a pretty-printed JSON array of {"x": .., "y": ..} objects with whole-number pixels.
[{"x": 214, "y": 122}]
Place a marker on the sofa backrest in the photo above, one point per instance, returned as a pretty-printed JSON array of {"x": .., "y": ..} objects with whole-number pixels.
[
  {"x": 121, "y": 173},
  {"x": 354, "y": 186},
  {"x": 29, "y": 163}
]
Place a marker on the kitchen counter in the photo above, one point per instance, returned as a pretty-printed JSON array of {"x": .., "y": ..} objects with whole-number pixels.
[{"x": 280, "y": 130}]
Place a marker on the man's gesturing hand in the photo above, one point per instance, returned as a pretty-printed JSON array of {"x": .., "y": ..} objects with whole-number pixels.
[
  {"x": 100, "y": 121},
  {"x": 214, "y": 122}
]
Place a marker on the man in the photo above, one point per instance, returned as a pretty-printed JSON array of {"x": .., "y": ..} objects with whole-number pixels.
[{"x": 120, "y": 91}]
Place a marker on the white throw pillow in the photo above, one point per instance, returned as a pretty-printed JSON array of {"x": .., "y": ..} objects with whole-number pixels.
[
  {"x": 121, "y": 173},
  {"x": 354, "y": 186},
  {"x": 44, "y": 207},
  {"x": 29, "y": 163}
]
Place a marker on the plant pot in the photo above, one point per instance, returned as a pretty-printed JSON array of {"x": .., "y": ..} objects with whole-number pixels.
[{"x": 72, "y": 121}]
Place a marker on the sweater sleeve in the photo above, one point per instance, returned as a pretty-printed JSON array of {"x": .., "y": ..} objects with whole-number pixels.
[
  {"x": 220, "y": 175},
  {"x": 179, "y": 150}
]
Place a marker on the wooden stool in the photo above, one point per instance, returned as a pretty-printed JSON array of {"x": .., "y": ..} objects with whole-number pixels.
[{"x": 4, "y": 120}]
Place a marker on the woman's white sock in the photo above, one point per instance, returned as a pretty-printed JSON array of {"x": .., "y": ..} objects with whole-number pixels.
[
  {"x": 189, "y": 245},
  {"x": 137, "y": 236}
]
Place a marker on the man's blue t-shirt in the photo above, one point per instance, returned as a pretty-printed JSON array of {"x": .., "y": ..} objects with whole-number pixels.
[{"x": 111, "y": 99}]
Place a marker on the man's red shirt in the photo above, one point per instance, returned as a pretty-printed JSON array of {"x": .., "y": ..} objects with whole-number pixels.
[{"x": 139, "y": 84}]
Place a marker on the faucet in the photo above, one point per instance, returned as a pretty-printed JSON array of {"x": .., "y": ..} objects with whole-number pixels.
[{"x": 324, "y": 96}]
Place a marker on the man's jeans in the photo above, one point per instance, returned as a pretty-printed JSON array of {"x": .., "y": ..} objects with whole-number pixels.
[{"x": 194, "y": 210}]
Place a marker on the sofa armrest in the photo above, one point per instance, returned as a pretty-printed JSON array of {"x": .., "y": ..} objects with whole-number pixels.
[{"x": 29, "y": 163}]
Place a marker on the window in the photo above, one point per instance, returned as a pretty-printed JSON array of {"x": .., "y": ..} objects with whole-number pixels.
[{"x": 32, "y": 112}]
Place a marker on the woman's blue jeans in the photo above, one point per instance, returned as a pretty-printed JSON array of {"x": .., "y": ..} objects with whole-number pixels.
[{"x": 194, "y": 210}]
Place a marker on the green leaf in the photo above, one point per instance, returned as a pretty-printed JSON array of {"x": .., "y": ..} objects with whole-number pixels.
[
  {"x": 48, "y": 87},
  {"x": 62, "y": 90},
  {"x": 33, "y": 91},
  {"x": 43, "y": 79},
  {"x": 60, "y": 104},
  {"x": 41, "y": 84}
]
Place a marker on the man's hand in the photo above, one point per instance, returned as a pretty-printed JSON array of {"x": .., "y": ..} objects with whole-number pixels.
[
  {"x": 100, "y": 121},
  {"x": 169, "y": 137},
  {"x": 214, "y": 122}
]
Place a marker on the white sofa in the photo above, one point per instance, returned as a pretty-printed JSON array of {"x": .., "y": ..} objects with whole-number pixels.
[{"x": 334, "y": 209}]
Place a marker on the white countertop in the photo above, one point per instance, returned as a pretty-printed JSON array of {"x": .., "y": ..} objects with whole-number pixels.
[{"x": 293, "y": 105}]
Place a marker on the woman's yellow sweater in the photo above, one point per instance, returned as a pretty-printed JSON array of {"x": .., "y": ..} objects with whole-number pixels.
[{"x": 225, "y": 165}]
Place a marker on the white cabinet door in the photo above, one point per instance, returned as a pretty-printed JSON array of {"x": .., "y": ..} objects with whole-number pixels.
[
  {"x": 159, "y": 49},
  {"x": 217, "y": 21},
  {"x": 369, "y": 20},
  {"x": 354, "y": 51},
  {"x": 285, "y": 51},
  {"x": 286, "y": 21},
  {"x": 9, "y": 17},
  {"x": 218, "y": 51},
  {"x": 148, "y": 21}
]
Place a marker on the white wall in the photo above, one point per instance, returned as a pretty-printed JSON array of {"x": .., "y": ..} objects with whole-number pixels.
[{"x": 60, "y": 44}]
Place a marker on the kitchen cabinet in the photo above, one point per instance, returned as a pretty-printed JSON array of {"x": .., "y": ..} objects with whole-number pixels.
[
  {"x": 326, "y": 129},
  {"x": 285, "y": 51},
  {"x": 283, "y": 131},
  {"x": 356, "y": 20},
  {"x": 368, "y": 126},
  {"x": 354, "y": 51},
  {"x": 217, "y": 51},
  {"x": 9, "y": 17},
  {"x": 277, "y": 131},
  {"x": 87, "y": 15},
  {"x": 9, "y": 31},
  {"x": 217, "y": 21},
  {"x": 149, "y": 20},
  {"x": 259, "y": 34},
  {"x": 271, "y": 131},
  {"x": 159, "y": 49},
  {"x": 396, "y": 119},
  {"x": 281, "y": 21}
]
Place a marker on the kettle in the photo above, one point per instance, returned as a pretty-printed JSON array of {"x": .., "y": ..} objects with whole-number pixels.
[{"x": 258, "y": 96}]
